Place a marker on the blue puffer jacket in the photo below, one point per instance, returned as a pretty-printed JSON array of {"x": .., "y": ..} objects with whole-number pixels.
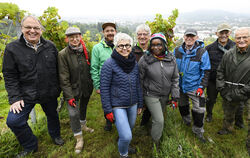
[
  {"x": 193, "y": 67},
  {"x": 119, "y": 88}
]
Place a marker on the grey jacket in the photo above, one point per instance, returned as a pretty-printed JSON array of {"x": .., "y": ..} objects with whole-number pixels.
[{"x": 159, "y": 77}]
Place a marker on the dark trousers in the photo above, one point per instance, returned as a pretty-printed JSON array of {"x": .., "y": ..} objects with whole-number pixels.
[
  {"x": 18, "y": 124},
  {"x": 83, "y": 107},
  {"x": 211, "y": 97}
]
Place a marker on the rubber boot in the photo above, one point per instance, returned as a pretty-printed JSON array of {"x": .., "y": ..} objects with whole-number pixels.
[
  {"x": 79, "y": 143},
  {"x": 185, "y": 114}
]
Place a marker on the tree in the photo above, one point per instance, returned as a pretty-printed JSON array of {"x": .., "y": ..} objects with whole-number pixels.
[{"x": 165, "y": 26}]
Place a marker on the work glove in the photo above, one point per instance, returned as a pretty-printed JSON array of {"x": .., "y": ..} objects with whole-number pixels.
[
  {"x": 72, "y": 102},
  {"x": 174, "y": 103},
  {"x": 199, "y": 92},
  {"x": 110, "y": 117}
]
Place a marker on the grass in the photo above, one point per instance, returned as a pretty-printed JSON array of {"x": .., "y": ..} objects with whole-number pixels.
[{"x": 177, "y": 141}]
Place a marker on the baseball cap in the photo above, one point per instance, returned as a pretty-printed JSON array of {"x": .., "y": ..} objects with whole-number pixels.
[
  {"x": 108, "y": 24},
  {"x": 190, "y": 31},
  {"x": 223, "y": 26}
]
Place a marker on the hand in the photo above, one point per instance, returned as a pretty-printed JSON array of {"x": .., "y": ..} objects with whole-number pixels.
[
  {"x": 110, "y": 117},
  {"x": 98, "y": 91},
  {"x": 174, "y": 104},
  {"x": 72, "y": 102},
  {"x": 199, "y": 92},
  {"x": 139, "y": 110},
  {"x": 17, "y": 106}
]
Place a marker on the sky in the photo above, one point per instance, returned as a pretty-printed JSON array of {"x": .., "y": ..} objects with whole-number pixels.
[{"x": 68, "y": 8}]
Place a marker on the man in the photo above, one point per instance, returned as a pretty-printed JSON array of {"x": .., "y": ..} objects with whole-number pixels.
[
  {"x": 31, "y": 77},
  {"x": 194, "y": 65},
  {"x": 216, "y": 50},
  {"x": 100, "y": 53},
  {"x": 143, "y": 34}
]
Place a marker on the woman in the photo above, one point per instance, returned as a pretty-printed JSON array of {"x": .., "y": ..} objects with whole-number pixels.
[
  {"x": 76, "y": 83},
  {"x": 121, "y": 93},
  {"x": 160, "y": 78}
]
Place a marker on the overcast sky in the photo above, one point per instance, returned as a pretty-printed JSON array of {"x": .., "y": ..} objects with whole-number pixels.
[{"x": 69, "y": 8}]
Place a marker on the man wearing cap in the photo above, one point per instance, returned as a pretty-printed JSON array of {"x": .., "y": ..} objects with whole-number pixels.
[
  {"x": 100, "y": 53},
  {"x": 76, "y": 82},
  {"x": 216, "y": 50},
  {"x": 31, "y": 77},
  {"x": 194, "y": 65}
]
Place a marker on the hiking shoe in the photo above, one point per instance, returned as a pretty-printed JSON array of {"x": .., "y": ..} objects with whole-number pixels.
[
  {"x": 107, "y": 128},
  {"x": 201, "y": 137},
  {"x": 224, "y": 132},
  {"x": 239, "y": 125},
  {"x": 131, "y": 150},
  {"x": 58, "y": 141},
  {"x": 209, "y": 119}
]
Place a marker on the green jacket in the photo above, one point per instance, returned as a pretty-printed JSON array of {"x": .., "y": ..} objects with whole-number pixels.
[
  {"x": 74, "y": 74},
  {"x": 100, "y": 53},
  {"x": 235, "y": 71}
]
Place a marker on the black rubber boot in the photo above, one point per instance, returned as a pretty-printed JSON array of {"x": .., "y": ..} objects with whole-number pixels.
[{"x": 185, "y": 113}]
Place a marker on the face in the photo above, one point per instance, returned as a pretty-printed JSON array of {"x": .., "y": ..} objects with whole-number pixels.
[
  {"x": 242, "y": 39},
  {"x": 124, "y": 48},
  {"x": 143, "y": 37},
  {"x": 190, "y": 40},
  {"x": 109, "y": 33},
  {"x": 223, "y": 36},
  {"x": 74, "y": 40},
  {"x": 157, "y": 47},
  {"x": 31, "y": 30}
]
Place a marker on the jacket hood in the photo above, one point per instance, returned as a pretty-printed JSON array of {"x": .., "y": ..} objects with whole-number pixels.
[{"x": 198, "y": 44}]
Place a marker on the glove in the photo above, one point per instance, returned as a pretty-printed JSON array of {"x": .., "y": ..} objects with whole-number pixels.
[
  {"x": 72, "y": 102},
  {"x": 199, "y": 92},
  {"x": 110, "y": 117},
  {"x": 174, "y": 103}
]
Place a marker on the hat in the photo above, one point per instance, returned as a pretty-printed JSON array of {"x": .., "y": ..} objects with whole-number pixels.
[
  {"x": 223, "y": 26},
  {"x": 158, "y": 35},
  {"x": 72, "y": 30},
  {"x": 191, "y": 32},
  {"x": 108, "y": 24}
]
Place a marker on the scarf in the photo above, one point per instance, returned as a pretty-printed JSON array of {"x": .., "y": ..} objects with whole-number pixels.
[
  {"x": 110, "y": 44},
  {"x": 160, "y": 57},
  {"x": 81, "y": 48},
  {"x": 127, "y": 65}
]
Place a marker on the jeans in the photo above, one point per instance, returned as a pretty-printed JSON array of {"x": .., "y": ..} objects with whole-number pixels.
[
  {"x": 125, "y": 120},
  {"x": 18, "y": 124}
]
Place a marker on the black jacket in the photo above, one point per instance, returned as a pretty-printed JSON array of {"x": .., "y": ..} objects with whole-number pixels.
[
  {"x": 31, "y": 75},
  {"x": 138, "y": 52},
  {"x": 215, "y": 55}
]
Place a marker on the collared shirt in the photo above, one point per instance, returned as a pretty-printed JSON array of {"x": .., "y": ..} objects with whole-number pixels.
[
  {"x": 241, "y": 55},
  {"x": 35, "y": 47}
]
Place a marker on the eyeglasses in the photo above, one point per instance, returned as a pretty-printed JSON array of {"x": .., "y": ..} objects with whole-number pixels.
[
  {"x": 72, "y": 37},
  {"x": 30, "y": 28},
  {"x": 243, "y": 37},
  {"x": 121, "y": 46},
  {"x": 142, "y": 34},
  {"x": 156, "y": 45}
]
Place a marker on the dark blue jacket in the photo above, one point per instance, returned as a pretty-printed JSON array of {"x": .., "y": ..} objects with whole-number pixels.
[
  {"x": 119, "y": 89},
  {"x": 193, "y": 67}
]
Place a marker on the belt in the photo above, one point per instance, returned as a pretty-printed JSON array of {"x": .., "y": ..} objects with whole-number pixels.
[{"x": 235, "y": 84}]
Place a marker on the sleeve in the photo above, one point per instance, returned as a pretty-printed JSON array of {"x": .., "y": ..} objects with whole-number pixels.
[
  {"x": 139, "y": 91},
  {"x": 95, "y": 68},
  {"x": 64, "y": 77},
  {"x": 11, "y": 77},
  {"x": 220, "y": 82},
  {"x": 205, "y": 68},
  {"x": 175, "y": 89},
  {"x": 142, "y": 70},
  {"x": 105, "y": 86}
]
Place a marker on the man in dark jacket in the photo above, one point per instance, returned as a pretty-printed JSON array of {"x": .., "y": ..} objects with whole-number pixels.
[
  {"x": 31, "y": 77},
  {"x": 233, "y": 80},
  {"x": 216, "y": 50},
  {"x": 193, "y": 65}
]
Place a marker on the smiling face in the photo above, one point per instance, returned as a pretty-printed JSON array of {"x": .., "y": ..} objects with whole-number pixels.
[
  {"x": 223, "y": 36},
  {"x": 143, "y": 37},
  {"x": 189, "y": 40},
  {"x": 109, "y": 32},
  {"x": 242, "y": 39},
  {"x": 31, "y": 30},
  {"x": 157, "y": 47},
  {"x": 74, "y": 40},
  {"x": 124, "y": 48}
]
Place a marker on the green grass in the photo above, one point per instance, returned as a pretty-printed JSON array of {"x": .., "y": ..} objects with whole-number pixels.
[{"x": 177, "y": 141}]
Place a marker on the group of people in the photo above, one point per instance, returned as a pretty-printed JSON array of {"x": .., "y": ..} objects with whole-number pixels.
[{"x": 131, "y": 80}]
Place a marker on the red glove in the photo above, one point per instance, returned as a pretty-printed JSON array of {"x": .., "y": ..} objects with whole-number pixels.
[
  {"x": 72, "y": 102},
  {"x": 110, "y": 117},
  {"x": 174, "y": 103},
  {"x": 199, "y": 92}
]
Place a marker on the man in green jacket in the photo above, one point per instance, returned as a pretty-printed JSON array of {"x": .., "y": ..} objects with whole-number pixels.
[
  {"x": 100, "y": 53},
  {"x": 233, "y": 80}
]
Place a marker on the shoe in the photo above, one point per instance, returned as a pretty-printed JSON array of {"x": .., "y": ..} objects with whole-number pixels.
[
  {"x": 224, "y": 132},
  {"x": 25, "y": 153},
  {"x": 58, "y": 141},
  {"x": 124, "y": 156},
  {"x": 108, "y": 128},
  {"x": 79, "y": 143},
  {"x": 201, "y": 137},
  {"x": 239, "y": 125},
  {"x": 187, "y": 123},
  {"x": 209, "y": 119},
  {"x": 131, "y": 150},
  {"x": 87, "y": 129}
]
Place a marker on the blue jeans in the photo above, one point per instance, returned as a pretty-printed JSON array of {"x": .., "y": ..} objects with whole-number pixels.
[
  {"x": 18, "y": 124},
  {"x": 125, "y": 120}
]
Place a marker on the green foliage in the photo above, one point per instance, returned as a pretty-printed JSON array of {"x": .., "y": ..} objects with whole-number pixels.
[
  {"x": 54, "y": 30},
  {"x": 90, "y": 43},
  {"x": 165, "y": 26},
  {"x": 10, "y": 11}
]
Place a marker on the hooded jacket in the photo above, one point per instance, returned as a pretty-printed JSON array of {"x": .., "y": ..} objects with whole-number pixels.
[{"x": 193, "y": 67}]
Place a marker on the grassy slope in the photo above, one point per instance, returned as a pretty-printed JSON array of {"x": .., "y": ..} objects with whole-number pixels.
[{"x": 177, "y": 140}]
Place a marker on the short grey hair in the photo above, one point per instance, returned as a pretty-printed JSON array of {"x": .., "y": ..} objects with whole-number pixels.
[
  {"x": 33, "y": 17},
  {"x": 143, "y": 27},
  {"x": 242, "y": 28},
  {"x": 122, "y": 36}
]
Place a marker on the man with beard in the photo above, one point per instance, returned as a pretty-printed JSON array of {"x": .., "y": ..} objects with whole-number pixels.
[{"x": 100, "y": 53}]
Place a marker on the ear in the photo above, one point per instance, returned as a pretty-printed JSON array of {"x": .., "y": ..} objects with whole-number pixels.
[{"x": 66, "y": 39}]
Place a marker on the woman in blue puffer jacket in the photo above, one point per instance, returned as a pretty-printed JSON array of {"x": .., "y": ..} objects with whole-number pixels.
[{"x": 121, "y": 92}]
